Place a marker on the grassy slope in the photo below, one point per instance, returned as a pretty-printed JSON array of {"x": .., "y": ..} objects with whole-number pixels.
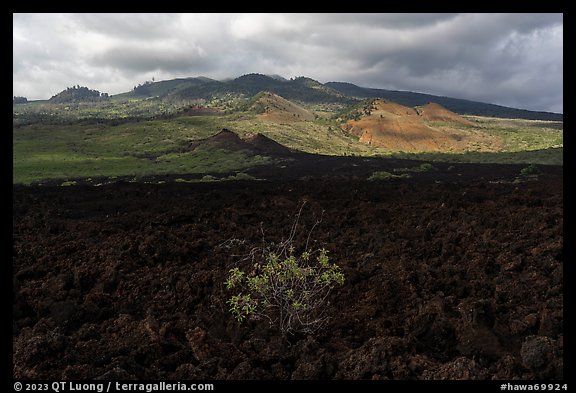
[
  {"x": 147, "y": 147},
  {"x": 43, "y": 151},
  {"x": 521, "y": 135},
  {"x": 523, "y": 142}
]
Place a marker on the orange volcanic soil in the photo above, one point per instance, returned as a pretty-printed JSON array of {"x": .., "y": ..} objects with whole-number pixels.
[
  {"x": 400, "y": 128},
  {"x": 436, "y": 112}
]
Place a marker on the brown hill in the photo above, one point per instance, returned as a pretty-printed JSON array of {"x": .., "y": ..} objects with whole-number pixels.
[
  {"x": 225, "y": 139},
  {"x": 254, "y": 143},
  {"x": 261, "y": 143},
  {"x": 436, "y": 112},
  {"x": 399, "y": 128},
  {"x": 278, "y": 109}
]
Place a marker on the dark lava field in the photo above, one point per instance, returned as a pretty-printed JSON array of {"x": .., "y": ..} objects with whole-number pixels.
[{"x": 452, "y": 274}]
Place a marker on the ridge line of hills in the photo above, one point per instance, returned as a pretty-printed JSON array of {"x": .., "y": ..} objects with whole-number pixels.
[
  {"x": 307, "y": 90},
  {"x": 457, "y": 105}
]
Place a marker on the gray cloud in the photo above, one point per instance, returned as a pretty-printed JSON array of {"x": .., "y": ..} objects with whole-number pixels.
[
  {"x": 131, "y": 26},
  {"x": 507, "y": 59},
  {"x": 171, "y": 58}
]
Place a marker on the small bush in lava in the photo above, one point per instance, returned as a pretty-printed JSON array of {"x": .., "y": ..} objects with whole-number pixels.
[{"x": 288, "y": 289}]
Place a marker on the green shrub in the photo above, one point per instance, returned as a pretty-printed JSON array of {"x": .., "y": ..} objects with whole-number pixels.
[
  {"x": 241, "y": 176},
  {"x": 206, "y": 178},
  {"x": 530, "y": 170},
  {"x": 288, "y": 289},
  {"x": 384, "y": 175},
  {"x": 289, "y": 292},
  {"x": 426, "y": 167}
]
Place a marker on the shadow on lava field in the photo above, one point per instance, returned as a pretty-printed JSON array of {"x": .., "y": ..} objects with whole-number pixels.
[{"x": 460, "y": 279}]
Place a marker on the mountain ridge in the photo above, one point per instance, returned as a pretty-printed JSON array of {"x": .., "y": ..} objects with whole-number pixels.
[
  {"x": 459, "y": 105},
  {"x": 307, "y": 90}
]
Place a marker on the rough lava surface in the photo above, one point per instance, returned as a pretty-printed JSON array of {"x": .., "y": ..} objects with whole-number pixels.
[{"x": 450, "y": 274}]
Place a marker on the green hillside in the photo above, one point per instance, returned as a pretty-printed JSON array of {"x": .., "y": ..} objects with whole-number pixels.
[
  {"x": 135, "y": 136},
  {"x": 307, "y": 90},
  {"x": 163, "y": 88},
  {"x": 299, "y": 89},
  {"x": 78, "y": 94}
]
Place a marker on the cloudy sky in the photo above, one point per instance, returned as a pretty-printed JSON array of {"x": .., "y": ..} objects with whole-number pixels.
[{"x": 508, "y": 59}]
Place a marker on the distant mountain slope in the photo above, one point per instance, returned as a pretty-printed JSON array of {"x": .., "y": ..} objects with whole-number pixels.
[
  {"x": 299, "y": 89},
  {"x": 460, "y": 106},
  {"x": 306, "y": 90},
  {"x": 78, "y": 94},
  {"x": 274, "y": 108},
  {"x": 164, "y": 88}
]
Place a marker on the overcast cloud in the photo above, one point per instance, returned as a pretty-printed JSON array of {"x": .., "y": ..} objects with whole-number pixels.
[{"x": 508, "y": 59}]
